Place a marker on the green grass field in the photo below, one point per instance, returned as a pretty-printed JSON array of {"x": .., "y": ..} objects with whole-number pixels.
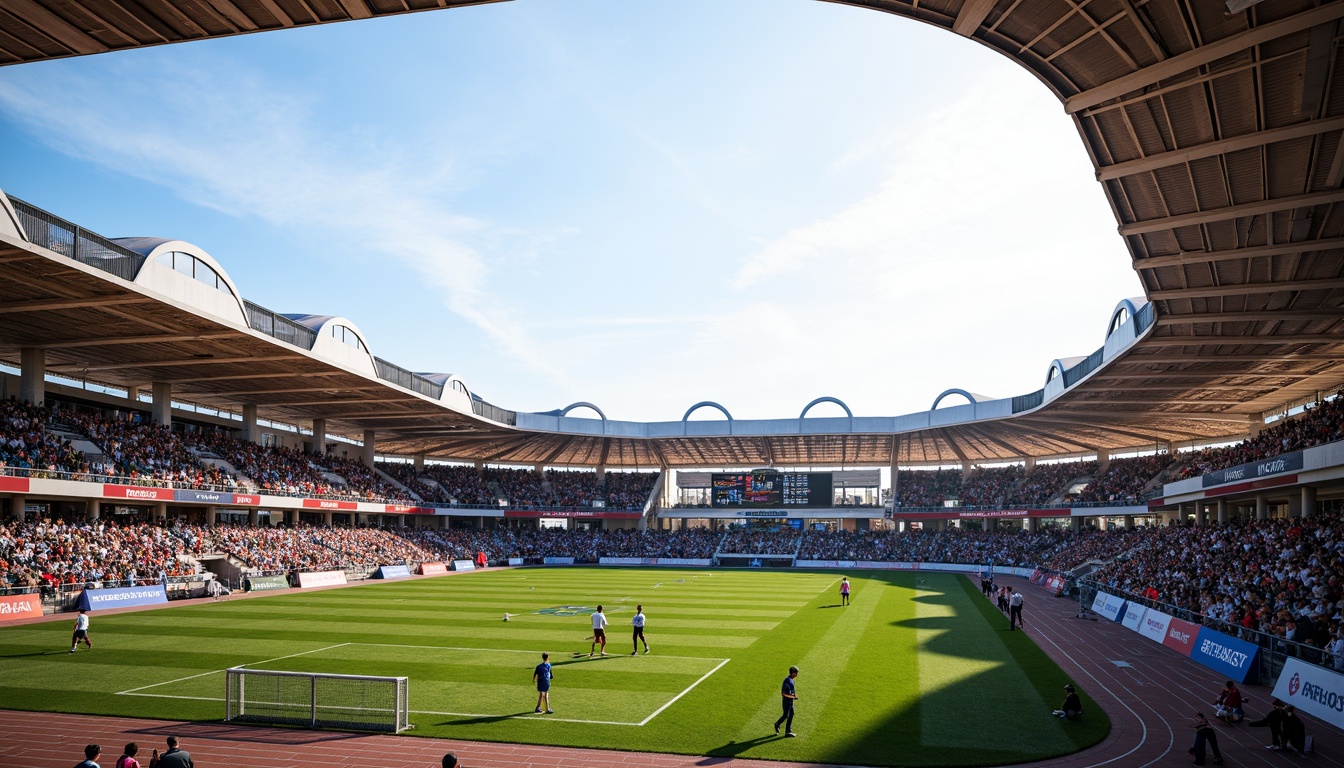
[{"x": 919, "y": 670}]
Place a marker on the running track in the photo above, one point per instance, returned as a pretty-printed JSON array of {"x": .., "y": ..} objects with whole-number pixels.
[{"x": 1148, "y": 690}]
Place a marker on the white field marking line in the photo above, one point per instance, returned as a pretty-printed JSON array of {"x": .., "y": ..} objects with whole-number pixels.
[
  {"x": 683, "y": 693},
  {"x": 131, "y": 691},
  {"x": 502, "y": 650}
]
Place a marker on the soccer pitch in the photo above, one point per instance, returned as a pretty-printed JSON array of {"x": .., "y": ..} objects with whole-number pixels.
[{"x": 919, "y": 670}]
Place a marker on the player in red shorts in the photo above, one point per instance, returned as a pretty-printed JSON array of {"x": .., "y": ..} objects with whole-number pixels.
[{"x": 599, "y": 632}]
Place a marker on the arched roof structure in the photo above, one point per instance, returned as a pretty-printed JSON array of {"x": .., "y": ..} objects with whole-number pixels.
[{"x": 1215, "y": 131}]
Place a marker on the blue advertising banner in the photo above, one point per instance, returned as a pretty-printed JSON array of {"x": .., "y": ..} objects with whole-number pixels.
[
  {"x": 1224, "y": 654},
  {"x": 393, "y": 572},
  {"x": 95, "y": 599},
  {"x": 205, "y": 497},
  {"x": 1288, "y": 462}
]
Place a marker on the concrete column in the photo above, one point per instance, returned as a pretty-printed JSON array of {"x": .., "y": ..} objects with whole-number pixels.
[
  {"x": 211, "y": 516},
  {"x": 401, "y": 521},
  {"x": 601, "y": 472},
  {"x": 419, "y": 463},
  {"x": 539, "y": 468},
  {"x": 1294, "y": 504},
  {"x": 1201, "y": 515},
  {"x": 320, "y": 436},
  {"x": 1103, "y": 460},
  {"x": 91, "y": 510},
  {"x": 133, "y": 396},
  {"x": 1261, "y": 507},
  {"x": 252, "y": 517},
  {"x": 160, "y": 509},
  {"x": 327, "y": 516},
  {"x": 1129, "y": 522},
  {"x": 1222, "y": 511},
  {"x": 33, "y": 375},
  {"x": 1077, "y": 523},
  {"x": 163, "y": 403},
  {"x": 1308, "y": 501},
  {"x": 480, "y": 522},
  {"x": 1031, "y": 525},
  {"x": 1030, "y": 464},
  {"x": 251, "y": 432},
  {"x": 966, "y": 468},
  {"x": 18, "y": 508},
  {"x": 480, "y": 465},
  {"x": 370, "y": 445},
  {"x": 1255, "y": 426}
]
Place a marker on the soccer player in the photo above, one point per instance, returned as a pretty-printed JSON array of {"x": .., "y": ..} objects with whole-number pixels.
[
  {"x": 542, "y": 677},
  {"x": 790, "y": 695},
  {"x": 81, "y": 631},
  {"x": 844, "y": 590},
  {"x": 599, "y": 632},
  {"x": 638, "y": 623}
]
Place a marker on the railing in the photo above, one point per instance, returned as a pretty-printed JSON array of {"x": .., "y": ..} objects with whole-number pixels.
[
  {"x": 1089, "y": 364},
  {"x": 493, "y": 412},
  {"x": 60, "y": 236},
  {"x": 1143, "y": 318},
  {"x": 402, "y": 377},
  {"x": 279, "y": 327},
  {"x": 1027, "y": 402}
]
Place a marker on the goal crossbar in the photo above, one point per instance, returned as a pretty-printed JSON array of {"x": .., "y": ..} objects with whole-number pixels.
[{"x": 317, "y": 699}]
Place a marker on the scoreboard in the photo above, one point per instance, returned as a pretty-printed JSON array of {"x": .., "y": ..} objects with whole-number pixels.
[{"x": 768, "y": 488}]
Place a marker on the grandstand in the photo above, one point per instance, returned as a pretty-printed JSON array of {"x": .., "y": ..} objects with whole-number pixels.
[{"x": 157, "y": 425}]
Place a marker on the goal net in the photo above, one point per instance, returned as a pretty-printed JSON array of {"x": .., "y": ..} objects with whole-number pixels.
[{"x": 317, "y": 700}]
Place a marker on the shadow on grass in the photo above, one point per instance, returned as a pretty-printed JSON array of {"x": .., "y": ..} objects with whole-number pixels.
[
  {"x": 486, "y": 719},
  {"x": 735, "y": 748}
]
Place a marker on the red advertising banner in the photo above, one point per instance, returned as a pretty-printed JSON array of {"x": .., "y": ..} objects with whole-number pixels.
[
  {"x": 329, "y": 504},
  {"x": 20, "y": 607},
  {"x": 430, "y": 569},
  {"x": 1181, "y": 636},
  {"x": 14, "y": 484},
  {"x": 138, "y": 493},
  {"x": 250, "y": 500},
  {"x": 405, "y": 509}
]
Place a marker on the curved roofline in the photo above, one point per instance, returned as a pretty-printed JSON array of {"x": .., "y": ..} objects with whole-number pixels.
[
  {"x": 154, "y": 247},
  {"x": 826, "y": 399},
  {"x": 582, "y": 404}
]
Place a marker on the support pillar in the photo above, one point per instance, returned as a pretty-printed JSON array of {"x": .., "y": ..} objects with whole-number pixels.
[
  {"x": 601, "y": 473},
  {"x": 540, "y": 469},
  {"x": 33, "y": 375},
  {"x": 1129, "y": 522},
  {"x": 1222, "y": 511},
  {"x": 1201, "y": 515},
  {"x": 326, "y": 517},
  {"x": 1103, "y": 460},
  {"x": 966, "y": 468},
  {"x": 1077, "y": 524},
  {"x": 163, "y": 403},
  {"x": 91, "y": 510},
  {"x": 252, "y": 517},
  {"x": 1255, "y": 426},
  {"x": 211, "y": 516},
  {"x": 18, "y": 508},
  {"x": 320, "y": 436},
  {"x": 1295, "y": 505},
  {"x": 160, "y": 508},
  {"x": 419, "y": 463},
  {"x": 1031, "y": 524},
  {"x": 1261, "y": 507},
  {"x": 480, "y": 465},
  {"x": 370, "y": 446},
  {"x": 251, "y": 432},
  {"x": 1030, "y": 465},
  {"x": 133, "y": 396},
  {"x": 1308, "y": 501}
]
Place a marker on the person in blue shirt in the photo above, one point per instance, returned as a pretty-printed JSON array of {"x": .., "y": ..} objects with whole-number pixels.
[
  {"x": 91, "y": 753},
  {"x": 790, "y": 694},
  {"x": 542, "y": 677}
]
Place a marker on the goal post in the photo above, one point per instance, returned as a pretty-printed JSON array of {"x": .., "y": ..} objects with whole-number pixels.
[{"x": 316, "y": 699}]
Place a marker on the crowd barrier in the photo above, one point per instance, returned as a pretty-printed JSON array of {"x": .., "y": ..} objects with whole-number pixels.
[
  {"x": 1231, "y": 657},
  {"x": 392, "y": 572},
  {"x": 464, "y": 565},
  {"x": 1315, "y": 690},
  {"x": 433, "y": 569},
  {"x": 122, "y": 597},
  {"x": 15, "y": 607},
  {"x": 693, "y": 562},
  {"x": 321, "y": 579}
]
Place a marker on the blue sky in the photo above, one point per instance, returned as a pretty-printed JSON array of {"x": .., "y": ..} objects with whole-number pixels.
[{"x": 757, "y": 202}]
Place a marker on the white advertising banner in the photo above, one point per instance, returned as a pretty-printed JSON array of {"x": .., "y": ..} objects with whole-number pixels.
[
  {"x": 1314, "y": 690},
  {"x": 1154, "y": 625},
  {"x": 515, "y": 561},
  {"x": 1133, "y": 615},
  {"x": 321, "y": 579},
  {"x": 464, "y": 565}
]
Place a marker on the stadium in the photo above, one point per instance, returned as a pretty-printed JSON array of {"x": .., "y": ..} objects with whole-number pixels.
[{"x": 271, "y": 525}]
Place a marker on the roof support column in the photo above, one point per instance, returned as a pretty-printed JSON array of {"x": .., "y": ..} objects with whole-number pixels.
[
  {"x": 1103, "y": 460},
  {"x": 1309, "y": 501},
  {"x": 91, "y": 510},
  {"x": 1222, "y": 511},
  {"x": 1295, "y": 504},
  {"x": 369, "y": 446},
  {"x": 33, "y": 375},
  {"x": 320, "y": 437},
  {"x": 18, "y": 507},
  {"x": 1256, "y": 425},
  {"x": 1201, "y": 514},
  {"x": 1129, "y": 522},
  {"x": 133, "y": 396},
  {"x": 1031, "y": 525},
  {"x": 163, "y": 403},
  {"x": 1261, "y": 507},
  {"x": 419, "y": 462},
  {"x": 251, "y": 432}
]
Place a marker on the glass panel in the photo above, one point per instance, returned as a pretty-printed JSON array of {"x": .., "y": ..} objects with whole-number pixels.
[{"x": 182, "y": 262}]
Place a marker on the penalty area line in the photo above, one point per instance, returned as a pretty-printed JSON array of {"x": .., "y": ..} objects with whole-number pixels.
[
  {"x": 702, "y": 679},
  {"x": 132, "y": 691}
]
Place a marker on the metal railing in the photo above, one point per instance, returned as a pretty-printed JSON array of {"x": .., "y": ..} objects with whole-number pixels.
[
  {"x": 404, "y": 378},
  {"x": 60, "y": 236},
  {"x": 493, "y": 412},
  {"x": 1089, "y": 364},
  {"x": 279, "y": 327},
  {"x": 1027, "y": 402}
]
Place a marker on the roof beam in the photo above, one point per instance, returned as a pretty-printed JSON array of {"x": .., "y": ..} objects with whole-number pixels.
[
  {"x": 971, "y": 16},
  {"x": 249, "y": 376},
  {"x": 1247, "y": 289},
  {"x": 1238, "y": 254},
  {"x": 1233, "y": 211},
  {"x": 165, "y": 338},
  {"x": 1165, "y": 434},
  {"x": 45, "y": 305},
  {"x": 1212, "y": 148},
  {"x": 174, "y": 363},
  {"x": 1251, "y": 317},
  {"x": 1167, "y": 359},
  {"x": 328, "y": 388},
  {"x": 340, "y": 401},
  {"x": 51, "y": 26},
  {"x": 1237, "y": 341},
  {"x": 1214, "y": 416},
  {"x": 1205, "y": 54}
]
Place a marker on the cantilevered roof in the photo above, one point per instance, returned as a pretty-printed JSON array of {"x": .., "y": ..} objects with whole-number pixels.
[{"x": 1215, "y": 134}]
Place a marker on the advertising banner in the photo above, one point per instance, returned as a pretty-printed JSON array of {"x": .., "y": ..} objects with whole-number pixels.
[
  {"x": 393, "y": 572},
  {"x": 515, "y": 561},
  {"x": 264, "y": 583},
  {"x": 558, "y": 561},
  {"x": 1314, "y": 690},
  {"x": 321, "y": 579},
  {"x": 1099, "y": 602},
  {"x": 464, "y": 565},
  {"x": 14, "y": 484},
  {"x": 431, "y": 569},
  {"x": 1110, "y": 606},
  {"x": 1154, "y": 625},
  {"x": 136, "y": 492},
  {"x": 692, "y": 561},
  {"x": 1224, "y": 654},
  {"x": 246, "y": 499},
  {"x": 14, "y": 607},
  {"x": 1056, "y": 584},
  {"x": 329, "y": 504},
  {"x": 125, "y": 597},
  {"x": 1288, "y": 462},
  {"x": 203, "y": 497},
  {"x": 1181, "y": 636},
  {"x": 1133, "y": 615},
  {"x": 625, "y": 561},
  {"x": 405, "y": 509}
]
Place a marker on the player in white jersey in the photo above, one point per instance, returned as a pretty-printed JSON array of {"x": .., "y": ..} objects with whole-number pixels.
[
  {"x": 81, "y": 631},
  {"x": 638, "y": 623},
  {"x": 599, "y": 632}
]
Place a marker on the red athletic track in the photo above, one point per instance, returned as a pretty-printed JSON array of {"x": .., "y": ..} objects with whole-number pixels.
[{"x": 1149, "y": 701}]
